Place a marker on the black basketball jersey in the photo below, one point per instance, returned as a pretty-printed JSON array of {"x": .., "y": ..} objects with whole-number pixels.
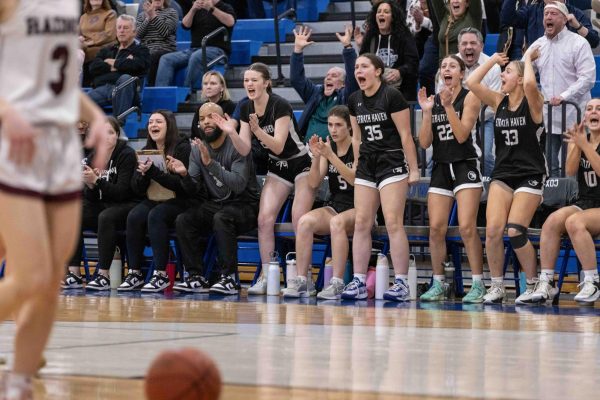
[
  {"x": 587, "y": 179},
  {"x": 277, "y": 107},
  {"x": 446, "y": 149},
  {"x": 341, "y": 191},
  {"x": 373, "y": 114},
  {"x": 519, "y": 142}
]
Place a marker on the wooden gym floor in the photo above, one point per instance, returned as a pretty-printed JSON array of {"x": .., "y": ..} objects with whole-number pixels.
[{"x": 271, "y": 348}]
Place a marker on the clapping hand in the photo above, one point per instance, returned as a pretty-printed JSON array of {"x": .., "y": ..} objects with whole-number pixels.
[
  {"x": 313, "y": 145},
  {"x": 576, "y": 135},
  {"x": 253, "y": 121},
  {"x": 358, "y": 36},
  {"x": 176, "y": 166},
  {"x": 224, "y": 122},
  {"x": 446, "y": 95},
  {"x": 144, "y": 166},
  {"x": 204, "y": 154},
  {"x": 425, "y": 102}
]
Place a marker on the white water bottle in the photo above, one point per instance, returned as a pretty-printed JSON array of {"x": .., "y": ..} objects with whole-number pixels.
[
  {"x": 291, "y": 271},
  {"x": 273, "y": 283},
  {"x": 115, "y": 272},
  {"x": 412, "y": 276},
  {"x": 382, "y": 276}
]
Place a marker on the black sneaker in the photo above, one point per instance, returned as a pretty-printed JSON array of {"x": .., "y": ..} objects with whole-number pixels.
[
  {"x": 72, "y": 281},
  {"x": 157, "y": 283},
  {"x": 226, "y": 285},
  {"x": 194, "y": 284},
  {"x": 133, "y": 281},
  {"x": 100, "y": 283}
]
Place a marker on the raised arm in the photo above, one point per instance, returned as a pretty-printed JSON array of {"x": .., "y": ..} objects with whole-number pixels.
[
  {"x": 576, "y": 136},
  {"x": 356, "y": 137},
  {"x": 242, "y": 141},
  {"x": 489, "y": 97},
  {"x": 532, "y": 93},
  {"x": 274, "y": 143},
  {"x": 426, "y": 103},
  {"x": 461, "y": 127},
  {"x": 349, "y": 174}
]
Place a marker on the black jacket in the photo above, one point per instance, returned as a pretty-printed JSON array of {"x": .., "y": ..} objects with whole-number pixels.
[
  {"x": 140, "y": 183},
  {"x": 136, "y": 66},
  {"x": 114, "y": 185}
]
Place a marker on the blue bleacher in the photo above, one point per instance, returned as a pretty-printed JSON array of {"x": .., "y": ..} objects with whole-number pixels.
[
  {"x": 261, "y": 29},
  {"x": 491, "y": 42},
  {"x": 242, "y": 51}
]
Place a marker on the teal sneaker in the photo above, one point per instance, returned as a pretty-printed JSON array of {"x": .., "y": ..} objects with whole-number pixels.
[
  {"x": 435, "y": 292},
  {"x": 476, "y": 293}
]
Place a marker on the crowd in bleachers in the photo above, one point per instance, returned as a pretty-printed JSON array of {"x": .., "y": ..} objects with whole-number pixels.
[{"x": 207, "y": 183}]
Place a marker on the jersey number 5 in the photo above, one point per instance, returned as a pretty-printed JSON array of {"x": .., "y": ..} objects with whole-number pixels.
[
  {"x": 60, "y": 55},
  {"x": 342, "y": 182},
  {"x": 373, "y": 132}
]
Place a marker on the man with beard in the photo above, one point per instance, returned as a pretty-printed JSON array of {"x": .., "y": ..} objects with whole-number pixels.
[{"x": 225, "y": 183}]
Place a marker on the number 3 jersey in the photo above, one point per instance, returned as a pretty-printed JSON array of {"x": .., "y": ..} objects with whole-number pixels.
[
  {"x": 39, "y": 71},
  {"x": 446, "y": 149},
  {"x": 519, "y": 142},
  {"x": 374, "y": 116}
]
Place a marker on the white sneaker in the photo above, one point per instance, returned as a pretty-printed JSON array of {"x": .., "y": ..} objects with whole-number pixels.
[
  {"x": 297, "y": 287},
  {"x": 544, "y": 290},
  {"x": 527, "y": 296},
  {"x": 589, "y": 292},
  {"x": 260, "y": 287},
  {"x": 495, "y": 294},
  {"x": 333, "y": 291}
]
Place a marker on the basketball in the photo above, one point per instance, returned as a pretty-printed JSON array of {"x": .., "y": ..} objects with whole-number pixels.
[{"x": 183, "y": 374}]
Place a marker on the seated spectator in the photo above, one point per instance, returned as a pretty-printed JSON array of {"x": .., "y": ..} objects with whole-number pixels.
[
  {"x": 531, "y": 18},
  {"x": 164, "y": 200},
  {"x": 470, "y": 50},
  {"x": 107, "y": 199},
  {"x": 333, "y": 158},
  {"x": 453, "y": 17},
  {"x": 156, "y": 28},
  {"x": 578, "y": 219},
  {"x": 203, "y": 17},
  {"x": 320, "y": 99},
  {"x": 388, "y": 36},
  {"x": 116, "y": 64},
  {"x": 229, "y": 207},
  {"x": 98, "y": 28},
  {"x": 214, "y": 90}
]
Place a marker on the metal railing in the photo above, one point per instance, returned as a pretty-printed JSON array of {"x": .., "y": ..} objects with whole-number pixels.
[
  {"x": 289, "y": 12},
  {"x": 204, "y": 44},
  {"x": 136, "y": 101}
]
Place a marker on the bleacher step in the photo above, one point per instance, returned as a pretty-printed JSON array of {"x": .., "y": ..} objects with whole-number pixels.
[
  {"x": 344, "y": 6},
  {"x": 323, "y": 58},
  {"x": 316, "y": 49},
  {"x": 342, "y": 16},
  {"x": 313, "y": 71},
  {"x": 330, "y": 26}
]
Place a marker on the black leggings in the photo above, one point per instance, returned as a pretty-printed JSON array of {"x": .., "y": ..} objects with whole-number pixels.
[
  {"x": 106, "y": 220},
  {"x": 157, "y": 219},
  {"x": 226, "y": 221}
]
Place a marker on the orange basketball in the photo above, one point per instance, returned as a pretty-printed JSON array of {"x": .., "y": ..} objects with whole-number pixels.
[{"x": 184, "y": 374}]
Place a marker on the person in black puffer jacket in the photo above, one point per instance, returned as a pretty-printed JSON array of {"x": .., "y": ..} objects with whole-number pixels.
[
  {"x": 107, "y": 199},
  {"x": 164, "y": 201}
]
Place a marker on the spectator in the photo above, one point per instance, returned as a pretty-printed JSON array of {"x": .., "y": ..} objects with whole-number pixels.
[
  {"x": 515, "y": 50},
  {"x": 98, "y": 28},
  {"x": 567, "y": 73},
  {"x": 453, "y": 17},
  {"x": 229, "y": 208},
  {"x": 419, "y": 23},
  {"x": 203, "y": 17},
  {"x": 388, "y": 36},
  {"x": 156, "y": 28},
  {"x": 429, "y": 62},
  {"x": 531, "y": 18},
  {"x": 470, "y": 50},
  {"x": 107, "y": 199},
  {"x": 116, "y": 64},
  {"x": 164, "y": 201},
  {"x": 319, "y": 99},
  {"x": 214, "y": 90}
]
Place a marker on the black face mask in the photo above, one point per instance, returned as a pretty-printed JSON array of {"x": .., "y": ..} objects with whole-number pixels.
[{"x": 209, "y": 138}]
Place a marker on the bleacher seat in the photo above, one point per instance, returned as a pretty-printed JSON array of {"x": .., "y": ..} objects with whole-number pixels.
[
  {"x": 260, "y": 29},
  {"x": 166, "y": 98},
  {"x": 491, "y": 42}
]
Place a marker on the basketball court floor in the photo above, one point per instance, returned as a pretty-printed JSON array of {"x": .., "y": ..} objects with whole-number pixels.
[{"x": 272, "y": 348}]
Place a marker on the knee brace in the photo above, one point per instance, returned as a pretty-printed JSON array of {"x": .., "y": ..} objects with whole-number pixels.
[{"x": 519, "y": 240}]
